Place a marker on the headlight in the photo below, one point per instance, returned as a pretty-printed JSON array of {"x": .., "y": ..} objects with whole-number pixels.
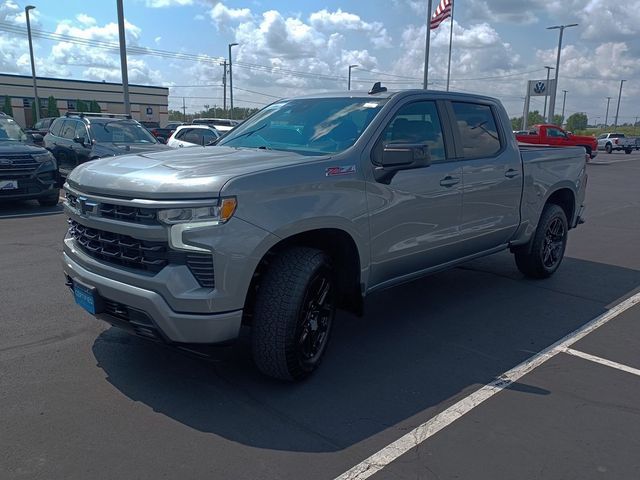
[
  {"x": 42, "y": 157},
  {"x": 219, "y": 213}
]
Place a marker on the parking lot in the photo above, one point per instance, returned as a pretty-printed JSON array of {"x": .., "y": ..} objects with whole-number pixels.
[{"x": 472, "y": 373}]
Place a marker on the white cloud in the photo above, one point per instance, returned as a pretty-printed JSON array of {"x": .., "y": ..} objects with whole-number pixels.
[
  {"x": 85, "y": 19},
  {"x": 323, "y": 20},
  {"x": 224, "y": 16},
  {"x": 520, "y": 12},
  {"x": 167, "y": 3}
]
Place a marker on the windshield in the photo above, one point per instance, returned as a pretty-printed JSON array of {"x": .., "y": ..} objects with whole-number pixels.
[
  {"x": 120, "y": 131},
  {"x": 314, "y": 126},
  {"x": 10, "y": 131}
]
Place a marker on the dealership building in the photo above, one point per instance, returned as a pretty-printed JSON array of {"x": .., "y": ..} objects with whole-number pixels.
[{"x": 147, "y": 103}]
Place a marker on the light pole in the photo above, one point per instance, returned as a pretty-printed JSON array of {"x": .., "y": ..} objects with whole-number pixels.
[
  {"x": 546, "y": 86},
  {"x": 564, "y": 100},
  {"x": 231, "y": 81},
  {"x": 349, "y": 84},
  {"x": 606, "y": 117},
  {"x": 425, "y": 79},
  {"x": 618, "y": 107},
  {"x": 33, "y": 65},
  {"x": 552, "y": 101}
]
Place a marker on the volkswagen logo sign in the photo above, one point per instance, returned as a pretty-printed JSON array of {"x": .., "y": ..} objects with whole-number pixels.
[{"x": 539, "y": 87}]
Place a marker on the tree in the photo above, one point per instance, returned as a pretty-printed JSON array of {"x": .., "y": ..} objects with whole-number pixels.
[
  {"x": 577, "y": 121},
  {"x": 558, "y": 119},
  {"x": 82, "y": 106},
  {"x": 94, "y": 107},
  {"x": 52, "y": 107},
  {"x": 534, "y": 118},
  {"x": 6, "y": 108}
]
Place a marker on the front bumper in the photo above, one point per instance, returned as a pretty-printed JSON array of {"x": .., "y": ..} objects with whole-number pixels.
[
  {"x": 42, "y": 183},
  {"x": 145, "y": 312}
]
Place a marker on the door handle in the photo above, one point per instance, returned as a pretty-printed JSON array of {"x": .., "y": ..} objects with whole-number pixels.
[
  {"x": 511, "y": 173},
  {"x": 449, "y": 181}
]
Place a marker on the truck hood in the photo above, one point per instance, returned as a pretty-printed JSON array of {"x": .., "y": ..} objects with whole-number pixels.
[
  {"x": 104, "y": 149},
  {"x": 175, "y": 174}
]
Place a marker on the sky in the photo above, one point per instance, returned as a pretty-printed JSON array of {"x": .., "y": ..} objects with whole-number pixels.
[{"x": 290, "y": 48}]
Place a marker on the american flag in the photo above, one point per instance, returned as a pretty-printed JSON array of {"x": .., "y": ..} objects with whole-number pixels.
[{"x": 442, "y": 12}]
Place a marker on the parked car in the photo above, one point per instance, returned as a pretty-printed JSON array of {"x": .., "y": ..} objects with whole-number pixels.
[
  {"x": 27, "y": 171},
  {"x": 616, "y": 141},
  {"x": 149, "y": 125},
  {"x": 192, "y": 136},
  {"x": 41, "y": 127},
  {"x": 555, "y": 136},
  {"x": 306, "y": 207},
  {"x": 78, "y": 138},
  {"x": 223, "y": 125},
  {"x": 163, "y": 134}
]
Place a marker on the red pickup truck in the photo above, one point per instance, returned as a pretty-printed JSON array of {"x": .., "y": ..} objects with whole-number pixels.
[{"x": 553, "y": 135}]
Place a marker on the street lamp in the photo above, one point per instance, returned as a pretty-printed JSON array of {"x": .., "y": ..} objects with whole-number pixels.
[
  {"x": 606, "y": 117},
  {"x": 618, "y": 107},
  {"x": 546, "y": 86},
  {"x": 231, "y": 81},
  {"x": 564, "y": 100},
  {"x": 349, "y": 84},
  {"x": 33, "y": 65},
  {"x": 552, "y": 101}
]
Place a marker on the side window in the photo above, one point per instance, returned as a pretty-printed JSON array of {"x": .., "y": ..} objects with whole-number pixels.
[
  {"x": 417, "y": 123},
  {"x": 181, "y": 133},
  {"x": 81, "y": 131},
  {"x": 68, "y": 129},
  {"x": 38, "y": 125},
  {"x": 209, "y": 136},
  {"x": 56, "y": 127},
  {"x": 193, "y": 136},
  {"x": 477, "y": 128},
  {"x": 554, "y": 132}
]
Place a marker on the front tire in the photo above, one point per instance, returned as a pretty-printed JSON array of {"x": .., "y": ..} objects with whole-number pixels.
[
  {"x": 50, "y": 201},
  {"x": 294, "y": 311},
  {"x": 547, "y": 247},
  {"x": 628, "y": 151}
]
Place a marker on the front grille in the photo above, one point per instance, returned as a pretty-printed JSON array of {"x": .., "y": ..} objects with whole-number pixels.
[
  {"x": 15, "y": 164},
  {"x": 145, "y": 216},
  {"x": 120, "y": 249},
  {"x": 143, "y": 255}
]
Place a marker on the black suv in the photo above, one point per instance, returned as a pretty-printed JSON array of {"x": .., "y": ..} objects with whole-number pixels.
[
  {"x": 26, "y": 170},
  {"x": 80, "y": 137}
]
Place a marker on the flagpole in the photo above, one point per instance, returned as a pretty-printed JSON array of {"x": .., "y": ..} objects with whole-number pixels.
[
  {"x": 426, "y": 48},
  {"x": 450, "y": 44}
]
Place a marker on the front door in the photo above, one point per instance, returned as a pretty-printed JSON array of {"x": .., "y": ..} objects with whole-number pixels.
[{"x": 414, "y": 218}]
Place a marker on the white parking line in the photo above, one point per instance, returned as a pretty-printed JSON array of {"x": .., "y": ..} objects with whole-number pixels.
[
  {"x": 415, "y": 437},
  {"x": 602, "y": 361}
]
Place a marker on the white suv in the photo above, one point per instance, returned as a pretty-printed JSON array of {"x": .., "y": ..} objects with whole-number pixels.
[{"x": 192, "y": 136}]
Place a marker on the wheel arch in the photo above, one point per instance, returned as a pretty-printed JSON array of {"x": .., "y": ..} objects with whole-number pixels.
[{"x": 343, "y": 250}]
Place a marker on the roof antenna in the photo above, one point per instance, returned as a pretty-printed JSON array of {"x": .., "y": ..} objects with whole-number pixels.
[{"x": 377, "y": 88}]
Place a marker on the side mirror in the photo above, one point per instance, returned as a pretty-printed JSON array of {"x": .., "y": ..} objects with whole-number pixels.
[
  {"x": 37, "y": 138},
  {"x": 401, "y": 156}
]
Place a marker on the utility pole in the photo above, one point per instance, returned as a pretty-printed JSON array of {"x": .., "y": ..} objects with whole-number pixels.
[
  {"x": 231, "y": 81},
  {"x": 552, "y": 101},
  {"x": 184, "y": 111},
  {"x": 606, "y": 117},
  {"x": 564, "y": 99},
  {"x": 618, "y": 107},
  {"x": 33, "y": 65},
  {"x": 546, "y": 96},
  {"x": 123, "y": 58},
  {"x": 224, "y": 86}
]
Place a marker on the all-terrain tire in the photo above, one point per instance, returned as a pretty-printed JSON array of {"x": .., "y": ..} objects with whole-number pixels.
[
  {"x": 547, "y": 247},
  {"x": 294, "y": 310}
]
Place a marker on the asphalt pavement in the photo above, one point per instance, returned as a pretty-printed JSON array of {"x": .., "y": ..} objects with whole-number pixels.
[{"x": 82, "y": 400}]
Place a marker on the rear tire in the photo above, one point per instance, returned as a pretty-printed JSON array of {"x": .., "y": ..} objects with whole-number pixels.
[
  {"x": 628, "y": 151},
  {"x": 294, "y": 310},
  {"x": 547, "y": 247},
  {"x": 608, "y": 148}
]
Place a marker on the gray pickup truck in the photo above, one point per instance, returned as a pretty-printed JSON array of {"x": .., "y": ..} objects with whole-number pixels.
[{"x": 308, "y": 206}]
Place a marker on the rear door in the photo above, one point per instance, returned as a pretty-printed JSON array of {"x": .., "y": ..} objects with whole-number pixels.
[
  {"x": 492, "y": 177},
  {"x": 414, "y": 217},
  {"x": 66, "y": 155}
]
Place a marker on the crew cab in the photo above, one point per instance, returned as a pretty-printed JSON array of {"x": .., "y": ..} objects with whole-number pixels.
[
  {"x": 555, "y": 136},
  {"x": 308, "y": 206},
  {"x": 616, "y": 141}
]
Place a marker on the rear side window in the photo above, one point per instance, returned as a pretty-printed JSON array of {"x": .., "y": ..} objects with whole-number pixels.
[
  {"x": 56, "y": 127},
  {"x": 478, "y": 130},
  {"x": 68, "y": 129}
]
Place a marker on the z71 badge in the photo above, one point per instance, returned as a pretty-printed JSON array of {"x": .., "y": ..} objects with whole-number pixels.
[{"x": 333, "y": 171}]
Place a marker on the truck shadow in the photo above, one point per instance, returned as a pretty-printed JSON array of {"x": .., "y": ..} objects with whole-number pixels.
[{"x": 419, "y": 348}]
